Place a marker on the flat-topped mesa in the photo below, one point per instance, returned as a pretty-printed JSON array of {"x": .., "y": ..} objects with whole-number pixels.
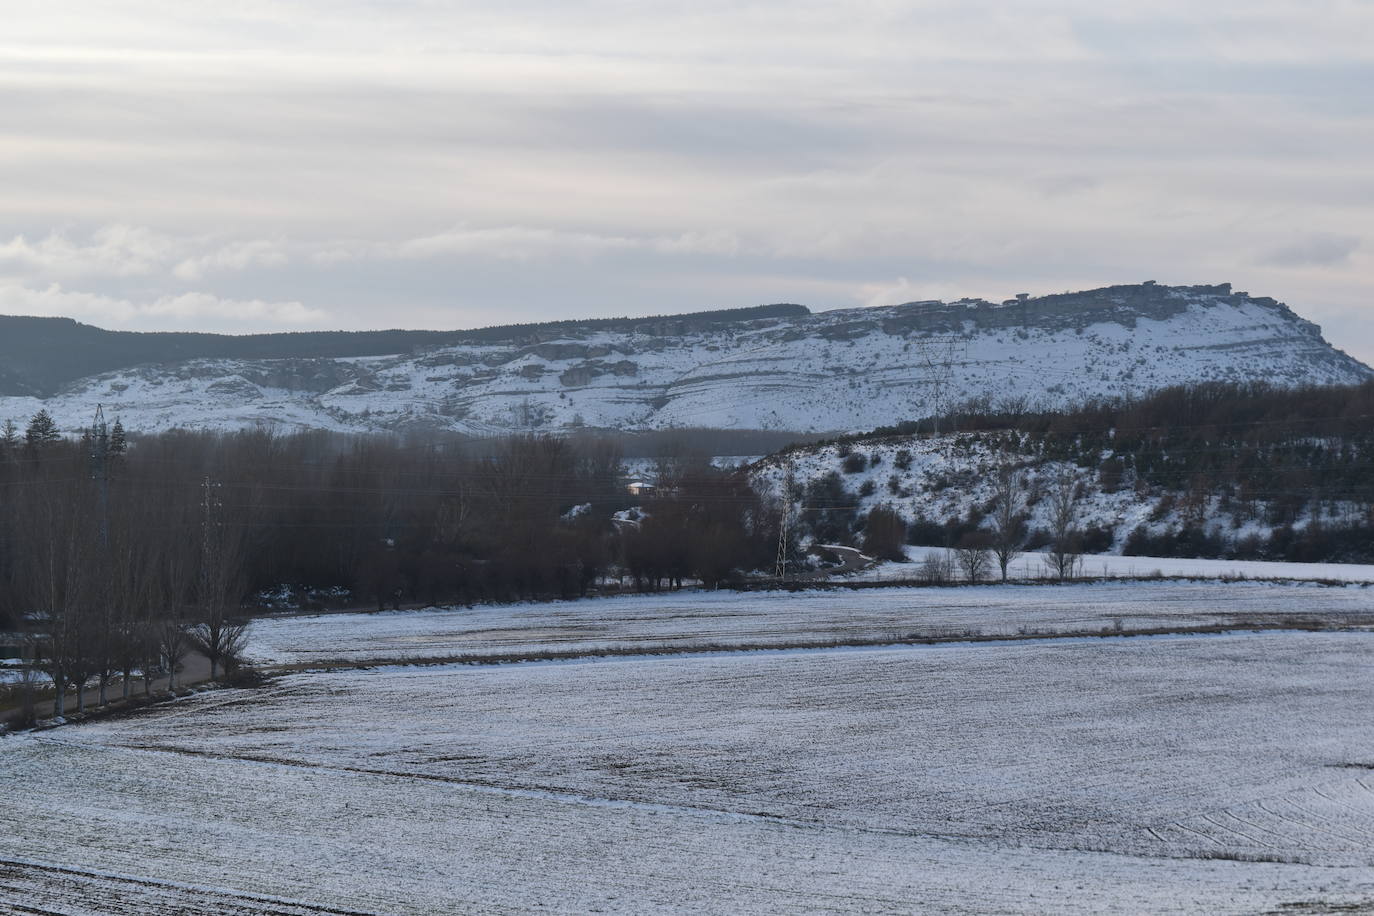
[
  {"x": 771, "y": 367},
  {"x": 1124, "y": 304},
  {"x": 40, "y": 356}
]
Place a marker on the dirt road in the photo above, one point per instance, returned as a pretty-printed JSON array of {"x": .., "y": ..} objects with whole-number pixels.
[{"x": 195, "y": 669}]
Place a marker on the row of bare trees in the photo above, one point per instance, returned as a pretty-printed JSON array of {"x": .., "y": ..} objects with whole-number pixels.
[
  {"x": 113, "y": 572},
  {"x": 1004, "y": 539},
  {"x": 119, "y": 568},
  {"x": 1004, "y": 536}
]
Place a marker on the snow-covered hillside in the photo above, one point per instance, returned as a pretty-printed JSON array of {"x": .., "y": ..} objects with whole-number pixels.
[
  {"x": 841, "y": 370},
  {"x": 936, "y": 479}
]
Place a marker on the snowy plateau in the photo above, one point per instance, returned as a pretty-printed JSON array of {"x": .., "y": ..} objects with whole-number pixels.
[{"x": 844, "y": 370}]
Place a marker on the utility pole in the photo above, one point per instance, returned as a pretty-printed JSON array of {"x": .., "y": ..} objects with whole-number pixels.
[
  {"x": 209, "y": 539},
  {"x": 100, "y": 469},
  {"x": 99, "y": 436}
]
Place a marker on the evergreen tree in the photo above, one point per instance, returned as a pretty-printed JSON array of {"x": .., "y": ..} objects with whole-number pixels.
[
  {"x": 118, "y": 441},
  {"x": 884, "y": 534},
  {"x": 41, "y": 432}
]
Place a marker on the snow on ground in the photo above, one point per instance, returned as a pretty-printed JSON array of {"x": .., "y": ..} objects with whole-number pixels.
[
  {"x": 703, "y": 620},
  {"x": 938, "y": 478},
  {"x": 1033, "y": 566},
  {"x": 1220, "y": 774}
]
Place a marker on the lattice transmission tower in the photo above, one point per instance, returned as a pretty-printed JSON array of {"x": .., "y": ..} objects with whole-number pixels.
[
  {"x": 784, "y": 525},
  {"x": 938, "y": 357}
]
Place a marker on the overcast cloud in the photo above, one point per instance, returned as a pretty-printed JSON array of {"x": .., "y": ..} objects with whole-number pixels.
[{"x": 293, "y": 165}]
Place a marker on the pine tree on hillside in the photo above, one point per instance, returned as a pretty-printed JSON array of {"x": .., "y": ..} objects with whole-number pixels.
[{"x": 41, "y": 432}]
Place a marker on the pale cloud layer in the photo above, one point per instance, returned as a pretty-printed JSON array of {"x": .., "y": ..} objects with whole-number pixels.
[
  {"x": 182, "y": 310},
  {"x": 303, "y": 164}
]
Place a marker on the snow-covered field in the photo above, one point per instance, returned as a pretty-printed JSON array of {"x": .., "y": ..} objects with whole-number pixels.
[
  {"x": 1136, "y": 775},
  {"x": 709, "y": 620},
  {"x": 1106, "y": 566}
]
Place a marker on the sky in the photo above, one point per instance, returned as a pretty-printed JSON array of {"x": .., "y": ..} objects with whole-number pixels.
[{"x": 298, "y": 164}]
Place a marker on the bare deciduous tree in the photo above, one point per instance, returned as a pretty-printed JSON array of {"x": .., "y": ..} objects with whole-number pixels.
[
  {"x": 973, "y": 555},
  {"x": 1008, "y": 521},
  {"x": 219, "y": 632},
  {"x": 937, "y": 568},
  {"x": 174, "y": 592},
  {"x": 58, "y": 589},
  {"x": 1066, "y": 536}
]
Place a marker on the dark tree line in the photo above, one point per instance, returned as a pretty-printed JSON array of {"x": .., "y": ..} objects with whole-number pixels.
[
  {"x": 103, "y": 563},
  {"x": 700, "y": 523},
  {"x": 125, "y": 565}
]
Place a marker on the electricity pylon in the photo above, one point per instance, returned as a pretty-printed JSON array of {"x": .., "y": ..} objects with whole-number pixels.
[
  {"x": 938, "y": 356},
  {"x": 781, "y": 569}
]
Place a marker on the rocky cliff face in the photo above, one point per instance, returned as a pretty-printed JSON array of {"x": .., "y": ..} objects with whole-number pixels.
[{"x": 842, "y": 370}]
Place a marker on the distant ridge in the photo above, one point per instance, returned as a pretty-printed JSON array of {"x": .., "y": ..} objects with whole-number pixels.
[
  {"x": 38, "y": 356},
  {"x": 777, "y": 367}
]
